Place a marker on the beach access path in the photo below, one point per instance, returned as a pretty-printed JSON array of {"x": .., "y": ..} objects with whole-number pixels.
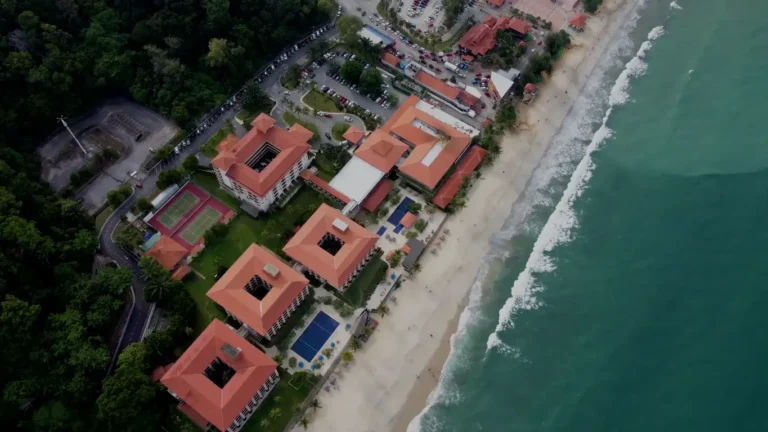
[{"x": 387, "y": 384}]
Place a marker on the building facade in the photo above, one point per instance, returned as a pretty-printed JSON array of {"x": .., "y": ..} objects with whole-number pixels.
[{"x": 263, "y": 166}]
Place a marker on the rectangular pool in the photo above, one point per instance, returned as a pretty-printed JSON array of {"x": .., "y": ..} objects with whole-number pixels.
[{"x": 315, "y": 336}]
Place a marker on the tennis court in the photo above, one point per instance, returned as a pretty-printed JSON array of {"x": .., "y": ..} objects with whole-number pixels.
[
  {"x": 315, "y": 336},
  {"x": 205, "y": 220},
  {"x": 176, "y": 211}
]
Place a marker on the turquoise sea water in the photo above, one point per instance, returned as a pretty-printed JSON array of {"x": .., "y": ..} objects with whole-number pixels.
[{"x": 640, "y": 274}]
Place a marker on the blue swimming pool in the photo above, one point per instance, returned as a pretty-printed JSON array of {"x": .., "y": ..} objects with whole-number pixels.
[
  {"x": 381, "y": 231},
  {"x": 315, "y": 336},
  {"x": 400, "y": 211}
]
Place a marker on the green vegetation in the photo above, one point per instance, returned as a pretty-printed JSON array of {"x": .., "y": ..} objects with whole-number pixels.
[
  {"x": 338, "y": 130},
  {"x": 95, "y": 165},
  {"x": 294, "y": 323},
  {"x": 102, "y": 217},
  {"x": 420, "y": 225},
  {"x": 366, "y": 282},
  {"x": 272, "y": 232},
  {"x": 414, "y": 207},
  {"x": 118, "y": 196},
  {"x": 394, "y": 258},
  {"x": 208, "y": 182},
  {"x": 348, "y": 26},
  {"x": 351, "y": 71},
  {"x": 209, "y": 148},
  {"x": 168, "y": 178},
  {"x": 453, "y": 8},
  {"x": 330, "y": 159},
  {"x": 506, "y": 52},
  {"x": 291, "y": 119},
  {"x": 556, "y": 43},
  {"x": 278, "y": 408},
  {"x": 370, "y": 81},
  {"x": 290, "y": 79},
  {"x": 592, "y": 5},
  {"x": 319, "y": 101},
  {"x": 128, "y": 237}
]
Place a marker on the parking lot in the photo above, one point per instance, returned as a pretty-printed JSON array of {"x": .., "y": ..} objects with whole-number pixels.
[{"x": 425, "y": 15}]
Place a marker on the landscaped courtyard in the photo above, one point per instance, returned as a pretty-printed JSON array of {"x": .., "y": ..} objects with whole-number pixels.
[
  {"x": 291, "y": 119},
  {"x": 271, "y": 231},
  {"x": 366, "y": 282},
  {"x": 277, "y": 410},
  {"x": 320, "y": 102}
]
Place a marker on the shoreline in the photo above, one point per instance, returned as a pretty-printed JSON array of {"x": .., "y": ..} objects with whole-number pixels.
[
  {"x": 385, "y": 385},
  {"x": 419, "y": 395}
]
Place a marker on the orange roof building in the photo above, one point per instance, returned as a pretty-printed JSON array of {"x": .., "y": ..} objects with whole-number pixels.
[
  {"x": 434, "y": 145},
  {"x": 354, "y": 134},
  {"x": 496, "y": 3},
  {"x": 481, "y": 38},
  {"x": 221, "y": 377},
  {"x": 578, "y": 22},
  {"x": 260, "y": 290},
  {"x": 260, "y": 167},
  {"x": 408, "y": 220},
  {"x": 167, "y": 252},
  {"x": 332, "y": 246},
  {"x": 381, "y": 150},
  {"x": 390, "y": 59}
]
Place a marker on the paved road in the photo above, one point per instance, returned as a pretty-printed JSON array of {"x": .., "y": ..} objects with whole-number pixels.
[{"x": 137, "y": 320}]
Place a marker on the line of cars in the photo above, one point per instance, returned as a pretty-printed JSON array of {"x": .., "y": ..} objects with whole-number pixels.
[{"x": 283, "y": 57}]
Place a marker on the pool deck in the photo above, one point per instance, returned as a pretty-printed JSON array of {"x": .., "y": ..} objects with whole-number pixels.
[{"x": 339, "y": 337}]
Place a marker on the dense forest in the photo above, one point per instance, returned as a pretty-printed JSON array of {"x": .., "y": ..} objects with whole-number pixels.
[
  {"x": 63, "y": 57},
  {"x": 180, "y": 57}
]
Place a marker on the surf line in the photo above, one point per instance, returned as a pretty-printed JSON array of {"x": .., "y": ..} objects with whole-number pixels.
[{"x": 563, "y": 219}]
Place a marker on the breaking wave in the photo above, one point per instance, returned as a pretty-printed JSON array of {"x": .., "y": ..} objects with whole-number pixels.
[{"x": 558, "y": 228}]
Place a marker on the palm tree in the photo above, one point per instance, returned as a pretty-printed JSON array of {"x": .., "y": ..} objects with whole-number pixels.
[
  {"x": 382, "y": 310},
  {"x": 354, "y": 344},
  {"x": 347, "y": 356},
  {"x": 265, "y": 423},
  {"x": 275, "y": 413},
  {"x": 304, "y": 422},
  {"x": 277, "y": 398},
  {"x": 315, "y": 404}
]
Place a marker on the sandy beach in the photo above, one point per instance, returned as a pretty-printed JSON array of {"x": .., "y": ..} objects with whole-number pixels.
[{"x": 389, "y": 381}]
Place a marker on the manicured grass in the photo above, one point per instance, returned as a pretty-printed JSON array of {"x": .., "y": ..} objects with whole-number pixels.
[
  {"x": 209, "y": 148},
  {"x": 324, "y": 167},
  {"x": 271, "y": 231},
  {"x": 291, "y": 119},
  {"x": 338, "y": 130},
  {"x": 290, "y": 396},
  {"x": 320, "y": 102},
  {"x": 208, "y": 182},
  {"x": 102, "y": 217},
  {"x": 365, "y": 283}
]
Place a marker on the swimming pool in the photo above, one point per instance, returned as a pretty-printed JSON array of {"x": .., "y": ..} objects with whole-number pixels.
[
  {"x": 315, "y": 336},
  {"x": 400, "y": 211}
]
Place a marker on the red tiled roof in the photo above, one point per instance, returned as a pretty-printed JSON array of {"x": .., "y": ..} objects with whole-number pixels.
[
  {"x": 322, "y": 184},
  {"x": 354, "y": 134},
  {"x": 335, "y": 269},
  {"x": 167, "y": 252},
  {"x": 381, "y": 150},
  {"x": 438, "y": 85},
  {"x": 218, "y": 406},
  {"x": 260, "y": 315},
  {"x": 390, "y": 59},
  {"x": 232, "y": 158},
  {"x": 453, "y": 143},
  {"x": 453, "y": 184},
  {"x": 180, "y": 272},
  {"x": 519, "y": 26},
  {"x": 481, "y": 38},
  {"x": 377, "y": 195},
  {"x": 579, "y": 21},
  {"x": 408, "y": 220},
  {"x": 530, "y": 87},
  {"x": 497, "y": 3}
]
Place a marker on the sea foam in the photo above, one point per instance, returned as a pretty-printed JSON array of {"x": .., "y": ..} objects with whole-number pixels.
[
  {"x": 559, "y": 226},
  {"x": 676, "y": 6}
]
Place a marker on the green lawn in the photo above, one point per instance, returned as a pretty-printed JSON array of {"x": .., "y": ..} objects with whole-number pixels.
[
  {"x": 320, "y": 102},
  {"x": 271, "y": 231},
  {"x": 291, "y": 391},
  {"x": 338, "y": 130},
  {"x": 101, "y": 218},
  {"x": 324, "y": 167},
  {"x": 208, "y": 182},
  {"x": 365, "y": 283},
  {"x": 291, "y": 119},
  {"x": 209, "y": 148}
]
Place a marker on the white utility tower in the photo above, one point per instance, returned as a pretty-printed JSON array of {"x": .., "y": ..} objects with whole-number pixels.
[{"x": 61, "y": 119}]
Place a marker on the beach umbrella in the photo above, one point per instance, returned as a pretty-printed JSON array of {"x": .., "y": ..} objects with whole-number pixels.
[
  {"x": 301, "y": 364},
  {"x": 348, "y": 326},
  {"x": 320, "y": 358},
  {"x": 333, "y": 344}
]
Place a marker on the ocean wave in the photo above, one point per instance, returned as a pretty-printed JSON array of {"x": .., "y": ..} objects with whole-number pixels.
[
  {"x": 559, "y": 227},
  {"x": 675, "y": 6}
]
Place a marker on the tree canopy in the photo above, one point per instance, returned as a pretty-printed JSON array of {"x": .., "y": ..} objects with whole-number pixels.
[
  {"x": 351, "y": 71},
  {"x": 370, "y": 81}
]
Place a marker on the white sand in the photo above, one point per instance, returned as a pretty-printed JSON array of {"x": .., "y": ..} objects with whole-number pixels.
[{"x": 380, "y": 390}]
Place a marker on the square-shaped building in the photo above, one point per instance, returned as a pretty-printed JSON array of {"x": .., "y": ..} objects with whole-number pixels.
[
  {"x": 260, "y": 291},
  {"x": 333, "y": 247},
  {"x": 221, "y": 377},
  {"x": 260, "y": 168}
]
